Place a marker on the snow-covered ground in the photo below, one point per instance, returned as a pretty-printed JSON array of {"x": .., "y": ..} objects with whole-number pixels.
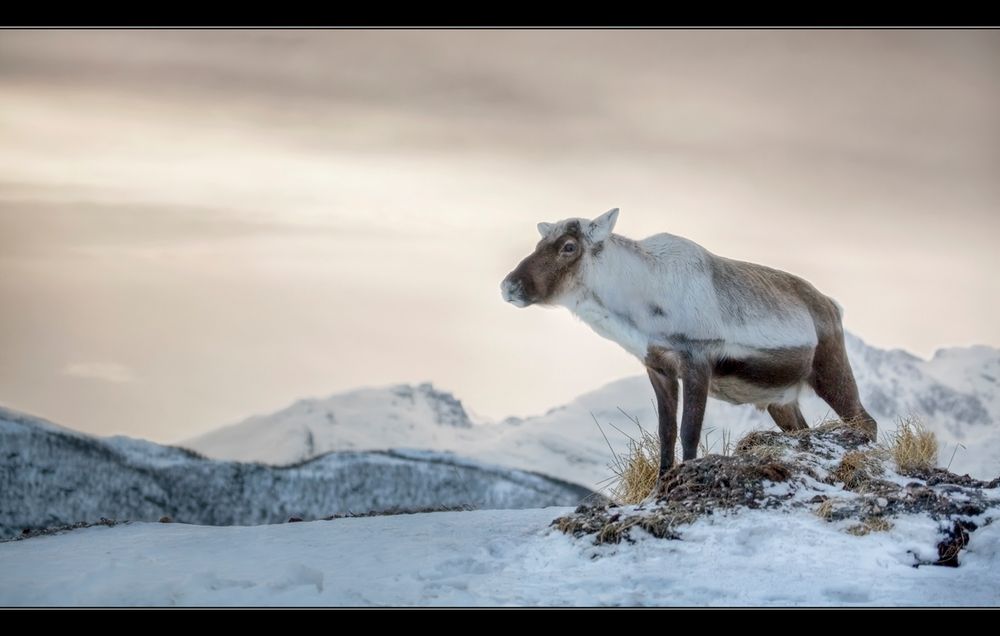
[
  {"x": 496, "y": 558},
  {"x": 956, "y": 393}
]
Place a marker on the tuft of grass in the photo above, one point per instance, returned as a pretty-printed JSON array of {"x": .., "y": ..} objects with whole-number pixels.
[
  {"x": 615, "y": 531},
  {"x": 879, "y": 524},
  {"x": 565, "y": 525},
  {"x": 665, "y": 523},
  {"x": 634, "y": 473},
  {"x": 871, "y": 524},
  {"x": 726, "y": 437},
  {"x": 825, "y": 509},
  {"x": 760, "y": 444},
  {"x": 912, "y": 447},
  {"x": 858, "y": 468}
]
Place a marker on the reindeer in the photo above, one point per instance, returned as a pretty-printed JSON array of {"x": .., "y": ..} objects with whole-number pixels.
[{"x": 733, "y": 330}]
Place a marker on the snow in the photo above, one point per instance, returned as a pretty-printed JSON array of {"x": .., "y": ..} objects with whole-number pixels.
[
  {"x": 755, "y": 557},
  {"x": 955, "y": 393}
]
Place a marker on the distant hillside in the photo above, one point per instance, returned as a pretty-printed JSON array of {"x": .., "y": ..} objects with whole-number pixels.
[{"x": 51, "y": 476}]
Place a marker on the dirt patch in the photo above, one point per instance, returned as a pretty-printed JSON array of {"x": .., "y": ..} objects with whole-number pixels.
[
  {"x": 953, "y": 543},
  {"x": 691, "y": 489},
  {"x": 613, "y": 524},
  {"x": 397, "y": 511},
  {"x": 28, "y": 533}
]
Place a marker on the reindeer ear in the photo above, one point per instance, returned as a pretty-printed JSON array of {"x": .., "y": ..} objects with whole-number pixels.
[
  {"x": 600, "y": 228},
  {"x": 544, "y": 229}
]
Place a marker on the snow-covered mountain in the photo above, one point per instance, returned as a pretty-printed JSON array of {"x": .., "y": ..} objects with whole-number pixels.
[
  {"x": 52, "y": 476},
  {"x": 955, "y": 393},
  {"x": 365, "y": 419}
]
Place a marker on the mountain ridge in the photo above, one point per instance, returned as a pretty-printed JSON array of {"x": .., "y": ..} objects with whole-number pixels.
[{"x": 952, "y": 392}]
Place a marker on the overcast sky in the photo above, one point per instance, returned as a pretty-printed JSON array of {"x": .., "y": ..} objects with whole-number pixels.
[{"x": 197, "y": 226}]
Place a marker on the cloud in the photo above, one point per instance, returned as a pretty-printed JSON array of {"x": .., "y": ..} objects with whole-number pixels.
[
  {"x": 106, "y": 371},
  {"x": 30, "y": 223}
]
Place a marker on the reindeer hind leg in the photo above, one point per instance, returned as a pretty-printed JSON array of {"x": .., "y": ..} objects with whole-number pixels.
[
  {"x": 788, "y": 417},
  {"x": 833, "y": 380}
]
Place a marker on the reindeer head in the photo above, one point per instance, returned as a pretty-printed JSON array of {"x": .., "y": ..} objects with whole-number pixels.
[{"x": 550, "y": 270}]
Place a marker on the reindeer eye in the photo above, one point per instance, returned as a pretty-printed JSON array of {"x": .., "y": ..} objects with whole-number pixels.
[{"x": 569, "y": 247}]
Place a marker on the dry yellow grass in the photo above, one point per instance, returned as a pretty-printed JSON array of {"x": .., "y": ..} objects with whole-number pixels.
[
  {"x": 912, "y": 447},
  {"x": 825, "y": 509},
  {"x": 871, "y": 524},
  {"x": 636, "y": 471},
  {"x": 759, "y": 444},
  {"x": 858, "y": 468}
]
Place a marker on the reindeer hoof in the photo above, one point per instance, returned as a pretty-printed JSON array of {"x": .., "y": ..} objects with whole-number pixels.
[{"x": 657, "y": 493}]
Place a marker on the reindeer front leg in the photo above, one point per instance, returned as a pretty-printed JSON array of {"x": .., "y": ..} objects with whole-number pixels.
[
  {"x": 695, "y": 376},
  {"x": 664, "y": 381}
]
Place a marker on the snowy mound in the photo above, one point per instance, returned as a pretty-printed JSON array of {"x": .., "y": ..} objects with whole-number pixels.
[
  {"x": 51, "y": 476},
  {"x": 955, "y": 394},
  {"x": 833, "y": 472}
]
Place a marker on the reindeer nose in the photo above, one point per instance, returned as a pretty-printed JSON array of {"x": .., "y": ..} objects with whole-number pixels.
[
  {"x": 506, "y": 288},
  {"x": 512, "y": 291}
]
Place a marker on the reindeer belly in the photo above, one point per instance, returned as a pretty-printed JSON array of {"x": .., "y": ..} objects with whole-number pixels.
[
  {"x": 769, "y": 376},
  {"x": 736, "y": 391}
]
